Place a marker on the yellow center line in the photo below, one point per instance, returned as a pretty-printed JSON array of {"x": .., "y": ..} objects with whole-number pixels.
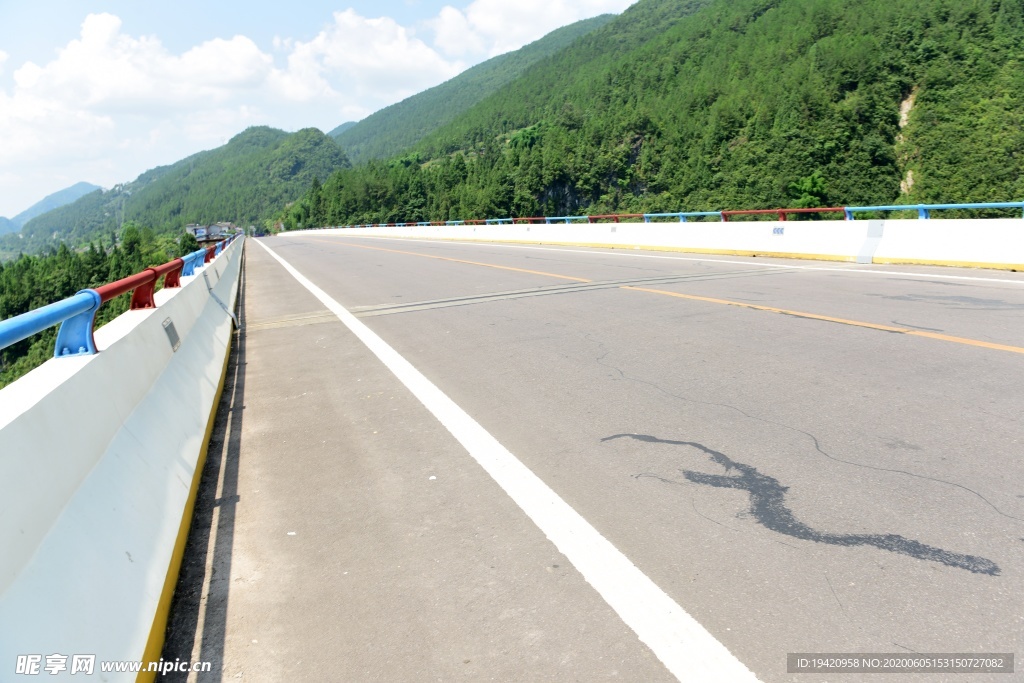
[
  {"x": 728, "y": 302},
  {"x": 964, "y": 340},
  {"x": 456, "y": 260},
  {"x": 843, "y": 321}
]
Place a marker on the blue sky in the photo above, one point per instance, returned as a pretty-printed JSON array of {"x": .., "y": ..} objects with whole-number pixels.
[
  {"x": 102, "y": 90},
  {"x": 185, "y": 23}
]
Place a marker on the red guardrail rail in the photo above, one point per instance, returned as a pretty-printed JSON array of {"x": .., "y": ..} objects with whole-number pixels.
[
  {"x": 781, "y": 212},
  {"x": 142, "y": 284},
  {"x": 615, "y": 217}
]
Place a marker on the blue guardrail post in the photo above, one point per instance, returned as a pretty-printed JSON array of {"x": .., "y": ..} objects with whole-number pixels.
[
  {"x": 74, "y": 338},
  {"x": 83, "y": 304}
]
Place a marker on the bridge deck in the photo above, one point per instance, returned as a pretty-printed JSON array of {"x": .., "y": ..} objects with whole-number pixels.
[{"x": 843, "y": 477}]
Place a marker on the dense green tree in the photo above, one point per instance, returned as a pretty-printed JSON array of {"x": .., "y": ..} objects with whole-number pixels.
[
  {"x": 808, "y": 192},
  {"x": 187, "y": 244}
]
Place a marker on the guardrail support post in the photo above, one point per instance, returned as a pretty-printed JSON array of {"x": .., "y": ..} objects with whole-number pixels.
[
  {"x": 848, "y": 214},
  {"x": 923, "y": 213},
  {"x": 142, "y": 296},
  {"x": 74, "y": 338},
  {"x": 191, "y": 261},
  {"x": 682, "y": 218}
]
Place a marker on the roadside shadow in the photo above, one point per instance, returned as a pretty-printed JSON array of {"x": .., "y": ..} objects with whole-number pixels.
[{"x": 190, "y": 638}]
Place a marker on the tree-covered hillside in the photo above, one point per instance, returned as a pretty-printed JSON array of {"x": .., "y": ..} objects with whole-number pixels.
[
  {"x": 727, "y": 103},
  {"x": 394, "y": 129},
  {"x": 249, "y": 179}
]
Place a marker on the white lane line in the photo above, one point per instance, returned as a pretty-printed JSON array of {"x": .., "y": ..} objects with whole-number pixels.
[
  {"x": 677, "y": 639},
  {"x": 629, "y": 254}
]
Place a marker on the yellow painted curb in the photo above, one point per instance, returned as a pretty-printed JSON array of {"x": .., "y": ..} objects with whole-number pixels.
[
  {"x": 950, "y": 264},
  {"x": 158, "y": 634},
  {"x": 724, "y": 252},
  {"x": 644, "y": 247}
]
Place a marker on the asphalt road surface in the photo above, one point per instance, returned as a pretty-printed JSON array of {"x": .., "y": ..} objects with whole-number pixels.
[{"x": 553, "y": 464}]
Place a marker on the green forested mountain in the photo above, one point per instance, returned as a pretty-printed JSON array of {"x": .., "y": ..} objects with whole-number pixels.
[
  {"x": 394, "y": 129},
  {"x": 245, "y": 181},
  {"x": 249, "y": 179},
  {"x": 54, "y": 201},
  {"x": 48, "y": 203},
  {"x": 714, "y": 104}
]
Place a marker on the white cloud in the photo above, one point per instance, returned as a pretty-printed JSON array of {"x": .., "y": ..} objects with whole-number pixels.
[
  {"x": 357, "y": 60},
  {"x": 234, "y": 64},
  {"x": 455, "y": 36},
  {"x": 106, "y": 70},
  {"x": 3, "y": 60},
  {"x": 493, "y": 27},
  {"x": 110, "y": 103}
]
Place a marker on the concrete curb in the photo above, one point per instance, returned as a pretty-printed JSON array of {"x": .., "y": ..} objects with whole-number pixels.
[{"x": 99, "y": 458}]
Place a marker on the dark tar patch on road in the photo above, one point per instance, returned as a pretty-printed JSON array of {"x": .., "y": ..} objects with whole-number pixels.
[{"x": 768, "y": 506}]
